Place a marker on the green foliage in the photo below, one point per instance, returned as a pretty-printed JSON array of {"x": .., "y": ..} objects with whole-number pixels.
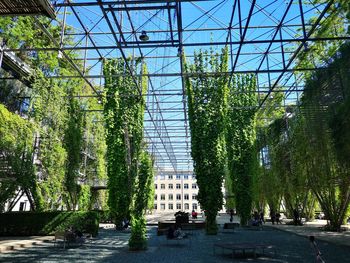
[
  {"x": 319, "y": 52},
  {"x": 324, "y": 110},
  {"x": 58, "y": 115},
  {"x": 73, "y": 142},
  {"x": 84, "y": 194},
  {"x": 46, "y": 223},
  {"x": 308, "y": 147},
  {"x": 16, "y": 149},
  {"x": 144, "y": 185},
  {"x": 129, "y": 167},
  {"x": 207, "y": 107},
  {"x": 240, "y": 142},
  {"x": 50, "y": 113},
  {"x": 138, "y": 239}
]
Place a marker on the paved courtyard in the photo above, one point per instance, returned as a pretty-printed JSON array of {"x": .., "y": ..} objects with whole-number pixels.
[{"x": 111, "y": 246}]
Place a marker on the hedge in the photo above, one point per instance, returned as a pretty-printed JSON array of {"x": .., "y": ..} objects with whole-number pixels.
[{"x": 46, "y": 223}]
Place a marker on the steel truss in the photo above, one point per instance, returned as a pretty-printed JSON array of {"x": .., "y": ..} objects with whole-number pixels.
[{"x": 264, "y": 38}]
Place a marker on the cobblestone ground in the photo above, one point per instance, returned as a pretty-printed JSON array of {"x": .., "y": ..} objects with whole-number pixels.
[{"x": 111, "y": 246}]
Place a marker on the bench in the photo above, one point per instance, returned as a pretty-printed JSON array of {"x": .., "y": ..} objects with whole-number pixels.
[
  {"x": 60, "y": 236},
  {"x": 244, "y": 248},
  {"x": 68, "y": 238}
]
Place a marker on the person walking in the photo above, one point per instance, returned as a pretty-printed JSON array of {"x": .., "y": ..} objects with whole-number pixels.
[
  {"x": 231, "y": 215},
  {"x": 272, "y": 216},
  {"x": 262, "y": 220}
]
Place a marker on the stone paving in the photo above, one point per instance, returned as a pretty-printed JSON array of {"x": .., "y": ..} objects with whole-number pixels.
[
  {"x": 314, "y": 229},
  {"x": 112, "y": 246}
]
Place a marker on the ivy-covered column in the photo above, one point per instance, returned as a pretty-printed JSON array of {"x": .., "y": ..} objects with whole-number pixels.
[
  {"x": 73, "y": 141},
  {"x": 123, "y": 112},
  {"x": 242, "y": 156},
  {"x": 144, "y": 185},
  {"x": 207, "y": 106}
]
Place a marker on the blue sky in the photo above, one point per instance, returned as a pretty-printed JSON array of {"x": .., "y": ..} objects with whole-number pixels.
[{"x": 165, "y": 106}]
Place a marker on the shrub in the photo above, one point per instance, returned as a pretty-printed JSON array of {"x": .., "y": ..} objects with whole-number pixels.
[{"x": 46, "y": 223}]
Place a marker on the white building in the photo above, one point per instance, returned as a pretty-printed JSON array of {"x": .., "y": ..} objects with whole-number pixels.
[{"x": 176, "y": 192}]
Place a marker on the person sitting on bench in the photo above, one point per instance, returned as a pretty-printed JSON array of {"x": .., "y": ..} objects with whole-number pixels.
[
  {"x": 175, "y": 232},
  {"x": 125, "y": 223}
]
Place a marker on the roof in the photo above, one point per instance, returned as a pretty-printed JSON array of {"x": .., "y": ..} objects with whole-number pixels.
[{"x": 26, "y": 7}]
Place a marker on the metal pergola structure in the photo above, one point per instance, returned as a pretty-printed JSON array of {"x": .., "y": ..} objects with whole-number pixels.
[{"x": 264, "y": 37}]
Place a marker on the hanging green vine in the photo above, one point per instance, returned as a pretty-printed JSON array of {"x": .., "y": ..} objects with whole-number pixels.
[
  {"x": 325, "y": 129},
  {"x": 73, "y": 142},
  {"x": 207, "y": 106},
  {"x": 240, "y": 141},
  {"x": 57, "y": 113},
  {"x": 123, "y": 111},
  {"x": 144, "y": 185},
  {"x": 16, "y": 165}
]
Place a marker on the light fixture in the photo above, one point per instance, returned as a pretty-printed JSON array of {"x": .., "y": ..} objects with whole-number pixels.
[{"x": 143, "y": 36}]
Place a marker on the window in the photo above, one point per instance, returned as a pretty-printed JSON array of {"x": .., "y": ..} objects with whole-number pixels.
[
  {"x": 194, "y": 206},
  {"x": 185, "y": 177},
  {"x": 170, "y": 186},
  {"x": 194, "y": 197},
  {"x": 187, "y": 206},
  {"x": 155, "y": 186},
  {"x": 155, "y": 206},
  {"x": 170, "y": 177},
  {"x": 178, "y": 177},
  {"x": 170, "y": 196},
  {"x": 22, "y": 206},
  {"x": 162, "y": 206},
  {"x": 178, "y": 206},
  {"x": 186, "y": 186},
  {"x": 155, "y": 197},
  {"x": 194, "y": 186},
  {"x": 178, "y": 186},
  {"x": 170, "y": 206},
  {"x": 162, "y": 197},
  {"x": 178, "y": 197},
  {"x": 186, "y": 197},
  {"x": 162, "y": 186}
]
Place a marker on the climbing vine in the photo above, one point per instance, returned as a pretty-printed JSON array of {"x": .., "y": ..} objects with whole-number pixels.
[
  {"x": 144, "y": 185},
  {"x": 240, "y": 141},
  {"x": 73, "y": 142},
  {"x": 16, "y": 149},
  {"x": 207, "y": 107},
  {"x": 123, "y": 111},
  {"x": 58, "y": 113}
]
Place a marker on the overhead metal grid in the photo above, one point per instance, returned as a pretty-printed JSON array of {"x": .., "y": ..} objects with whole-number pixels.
[
  {"x": 263, "y": 37},
  {"x": 26, "y": 7}
]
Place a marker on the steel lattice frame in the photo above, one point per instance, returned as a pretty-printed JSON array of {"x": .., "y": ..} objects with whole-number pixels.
[{"x": 264, "y": 38}]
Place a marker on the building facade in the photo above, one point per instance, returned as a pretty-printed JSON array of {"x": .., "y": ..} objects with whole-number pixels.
[{"x": 176, "y": 192}]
